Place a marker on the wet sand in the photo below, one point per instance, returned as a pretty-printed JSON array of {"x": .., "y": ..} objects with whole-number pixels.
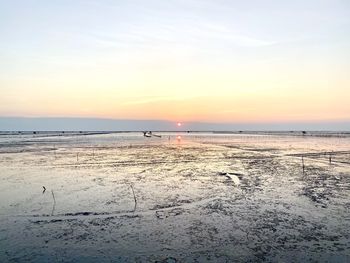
[{"x": 204, "y": 198}]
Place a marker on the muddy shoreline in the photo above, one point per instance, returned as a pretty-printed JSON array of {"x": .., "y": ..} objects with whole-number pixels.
[{"x": 206, "y": 198}]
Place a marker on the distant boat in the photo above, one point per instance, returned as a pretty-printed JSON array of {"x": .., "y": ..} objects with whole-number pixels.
[
  {"x": 147, "y": 134},
  {"x": 150, "y": 134}
]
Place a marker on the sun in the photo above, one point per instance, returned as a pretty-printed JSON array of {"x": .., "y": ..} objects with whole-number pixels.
[{"x": 179, "y": 124}]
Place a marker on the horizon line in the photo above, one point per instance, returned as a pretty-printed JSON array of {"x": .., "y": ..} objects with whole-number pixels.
[
  {"x": 103, "y": 124},
  {"x": 182, "y": 121}
]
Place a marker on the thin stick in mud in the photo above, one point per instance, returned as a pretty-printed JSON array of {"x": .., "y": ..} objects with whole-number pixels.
[
  {"x": 54, "y": 203},
  {"x": 302, "y": 160},
  {"x": 133, "y": 192}
]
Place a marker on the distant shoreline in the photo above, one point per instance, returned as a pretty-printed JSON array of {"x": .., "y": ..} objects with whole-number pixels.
[{"x": 86, "y": 132}]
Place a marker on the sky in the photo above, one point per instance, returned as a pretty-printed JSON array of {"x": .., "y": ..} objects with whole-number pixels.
[{"x": 176, "y": 60}]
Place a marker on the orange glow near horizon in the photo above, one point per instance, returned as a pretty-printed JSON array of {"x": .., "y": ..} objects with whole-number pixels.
[{"x": 212, "y": 97}]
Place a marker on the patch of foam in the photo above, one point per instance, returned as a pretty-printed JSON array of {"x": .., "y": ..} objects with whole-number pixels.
[{"x": 234, "y": 178}]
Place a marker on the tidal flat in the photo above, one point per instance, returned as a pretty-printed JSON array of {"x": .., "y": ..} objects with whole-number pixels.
[{"x": 201, "y": 197}]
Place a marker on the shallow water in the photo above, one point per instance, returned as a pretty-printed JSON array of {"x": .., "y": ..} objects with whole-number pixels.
[{"x": 204, "y": 197}]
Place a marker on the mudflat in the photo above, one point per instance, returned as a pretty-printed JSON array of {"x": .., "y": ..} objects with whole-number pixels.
[{"x": 201, "y": 197}]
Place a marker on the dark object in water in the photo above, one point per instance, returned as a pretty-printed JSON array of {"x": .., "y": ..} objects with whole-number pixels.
[{"x": 44, "y": 189}]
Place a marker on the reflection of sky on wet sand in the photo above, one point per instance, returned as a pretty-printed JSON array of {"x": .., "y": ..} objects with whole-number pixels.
[{"x": 226, "y": 196}]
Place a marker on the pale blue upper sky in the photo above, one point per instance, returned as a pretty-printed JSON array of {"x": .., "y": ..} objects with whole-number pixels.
[
  {"x": 101, "y": 58},
  {"x": 41, "y": 30}
]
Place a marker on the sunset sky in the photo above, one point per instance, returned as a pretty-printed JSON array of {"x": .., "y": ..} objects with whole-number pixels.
[{"x": 177, "y": 60}]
